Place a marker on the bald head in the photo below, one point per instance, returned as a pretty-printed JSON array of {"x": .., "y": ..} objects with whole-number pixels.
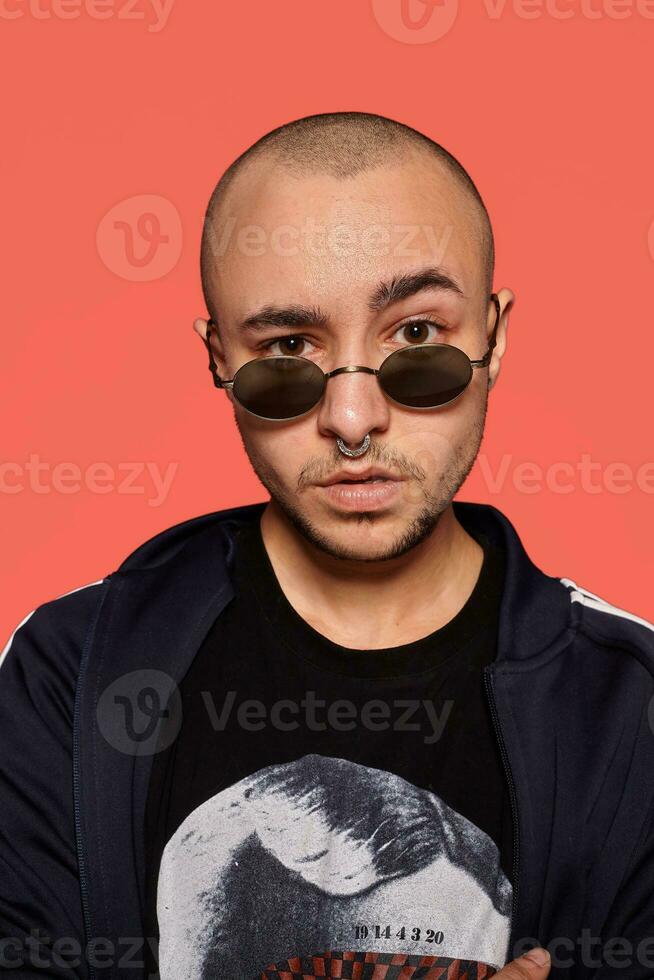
[{"x": 342, "y": 145}]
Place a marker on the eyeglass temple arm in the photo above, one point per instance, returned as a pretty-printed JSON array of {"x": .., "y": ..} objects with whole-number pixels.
[
  {"x": 213, "y": 367},
  {"x": 482, "y": 362}
]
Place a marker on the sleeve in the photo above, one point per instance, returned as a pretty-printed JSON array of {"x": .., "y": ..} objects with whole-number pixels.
[
  {"x": 626, "y": 947},
  {"x": 41, "y": 920}
]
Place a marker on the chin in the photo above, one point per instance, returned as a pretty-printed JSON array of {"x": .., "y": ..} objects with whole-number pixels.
[{"x": 368, "y": 535}]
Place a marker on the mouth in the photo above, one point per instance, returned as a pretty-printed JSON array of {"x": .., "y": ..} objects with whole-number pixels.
[
  {"x": 371, "y": 479},
  {"x": 371, "y": 489},
  {"x": 371, "y": 474}
]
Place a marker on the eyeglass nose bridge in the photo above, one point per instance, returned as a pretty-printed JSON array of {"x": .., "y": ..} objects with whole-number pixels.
[{"x": 350, "y": 369}]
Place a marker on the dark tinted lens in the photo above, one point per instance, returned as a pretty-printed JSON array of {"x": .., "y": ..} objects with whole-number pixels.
[
  {"x": 425, "y": 376},
  {"x": 279, "y": 387}
]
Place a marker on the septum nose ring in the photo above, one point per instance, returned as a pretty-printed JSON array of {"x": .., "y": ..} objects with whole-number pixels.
[{"x": 359, "y": 451}]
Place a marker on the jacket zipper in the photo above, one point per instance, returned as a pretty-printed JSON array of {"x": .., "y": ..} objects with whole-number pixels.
[
  {"x": 83, "y": 879},
  {"x": 78, "y": 830},
  {"x": 488, "y": 683}
]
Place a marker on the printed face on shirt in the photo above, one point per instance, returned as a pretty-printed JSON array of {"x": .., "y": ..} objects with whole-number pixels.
[
  {"x": 326, "y": 855},
  {"x": 326, "y": 245}
]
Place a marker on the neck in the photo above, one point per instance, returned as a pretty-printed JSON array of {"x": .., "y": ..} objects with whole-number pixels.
[{"x": 373, "y": 605}]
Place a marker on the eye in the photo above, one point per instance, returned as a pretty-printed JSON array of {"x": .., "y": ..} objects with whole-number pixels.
[
  {"x": 417, "y": 331},
  {"x": 292, "y": 344}
]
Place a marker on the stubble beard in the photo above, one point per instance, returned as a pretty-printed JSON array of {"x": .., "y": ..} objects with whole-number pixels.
[{"x": 435, "y": 500}]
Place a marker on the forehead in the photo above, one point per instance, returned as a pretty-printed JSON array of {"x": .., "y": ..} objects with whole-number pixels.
[{"x": 280, "y": 238}]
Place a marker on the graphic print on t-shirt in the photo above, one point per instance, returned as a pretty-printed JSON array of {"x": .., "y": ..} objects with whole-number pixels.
[{"x": 324, "y": 867}]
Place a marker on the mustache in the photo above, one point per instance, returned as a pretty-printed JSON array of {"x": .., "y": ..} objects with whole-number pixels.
[{"x": 315, "y": 470}]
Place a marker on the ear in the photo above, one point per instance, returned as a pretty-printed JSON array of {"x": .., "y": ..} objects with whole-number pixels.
[
  {"x": 201, "y": 327},
  {"x": 507, "y": 299}
]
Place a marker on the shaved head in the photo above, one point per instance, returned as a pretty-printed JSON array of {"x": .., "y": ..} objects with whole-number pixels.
[{"x": 342, "y": 145}]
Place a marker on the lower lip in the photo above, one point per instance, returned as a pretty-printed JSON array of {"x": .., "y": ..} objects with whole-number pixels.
[{"x": 363, "y": 496}]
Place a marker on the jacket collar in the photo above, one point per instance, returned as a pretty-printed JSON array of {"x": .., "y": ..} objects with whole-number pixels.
[{"x": 535, "y": 607}]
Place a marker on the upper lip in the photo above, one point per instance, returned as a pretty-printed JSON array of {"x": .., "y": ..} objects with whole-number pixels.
[{"x": 370, "y": 471}]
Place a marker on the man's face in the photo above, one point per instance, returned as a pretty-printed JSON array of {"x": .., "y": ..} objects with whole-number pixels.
[{"x": 326, "y": 245}]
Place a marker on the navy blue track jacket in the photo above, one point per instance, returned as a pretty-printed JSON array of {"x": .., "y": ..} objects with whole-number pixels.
[{"x": 571, "y": 694}]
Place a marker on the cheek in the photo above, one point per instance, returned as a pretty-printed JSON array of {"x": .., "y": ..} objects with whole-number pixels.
[
  {"x": 283, "y": 451},
  {"x": 430, "y": 439}
]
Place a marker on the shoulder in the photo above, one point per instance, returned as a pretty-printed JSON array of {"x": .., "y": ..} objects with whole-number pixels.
[
  {"x": 169, "y": 543},
  {"x": 609, "y": 625},
  {"x": 55, "y": 623},
  {"x": 40, "y": 665},
  {"x": 53, "y": 634}
]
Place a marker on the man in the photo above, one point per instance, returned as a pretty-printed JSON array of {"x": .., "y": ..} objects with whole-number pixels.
[{"x": 353, "y": 731}]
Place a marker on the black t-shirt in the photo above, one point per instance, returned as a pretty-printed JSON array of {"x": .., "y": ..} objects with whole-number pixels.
[{"x": 325, "y": 811}]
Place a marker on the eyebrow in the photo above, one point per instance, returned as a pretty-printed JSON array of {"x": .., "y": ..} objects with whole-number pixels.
[
  {"x": 384, "y": 295},
  {"x": 286, "y": 316},
  {"x": 401, "y": 287}
]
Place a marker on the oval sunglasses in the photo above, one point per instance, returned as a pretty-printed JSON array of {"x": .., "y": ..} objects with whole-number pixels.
[{"x": 287, "y": 386}]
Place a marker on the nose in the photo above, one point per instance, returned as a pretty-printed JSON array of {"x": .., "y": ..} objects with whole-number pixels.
[{"x": 353, "y": 405}]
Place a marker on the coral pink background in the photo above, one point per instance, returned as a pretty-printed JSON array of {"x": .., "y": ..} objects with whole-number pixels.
[{"x": 550, "y": 114}]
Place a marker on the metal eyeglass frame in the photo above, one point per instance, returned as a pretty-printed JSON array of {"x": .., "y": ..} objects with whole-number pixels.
[{"x": 351, "y": 368}]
